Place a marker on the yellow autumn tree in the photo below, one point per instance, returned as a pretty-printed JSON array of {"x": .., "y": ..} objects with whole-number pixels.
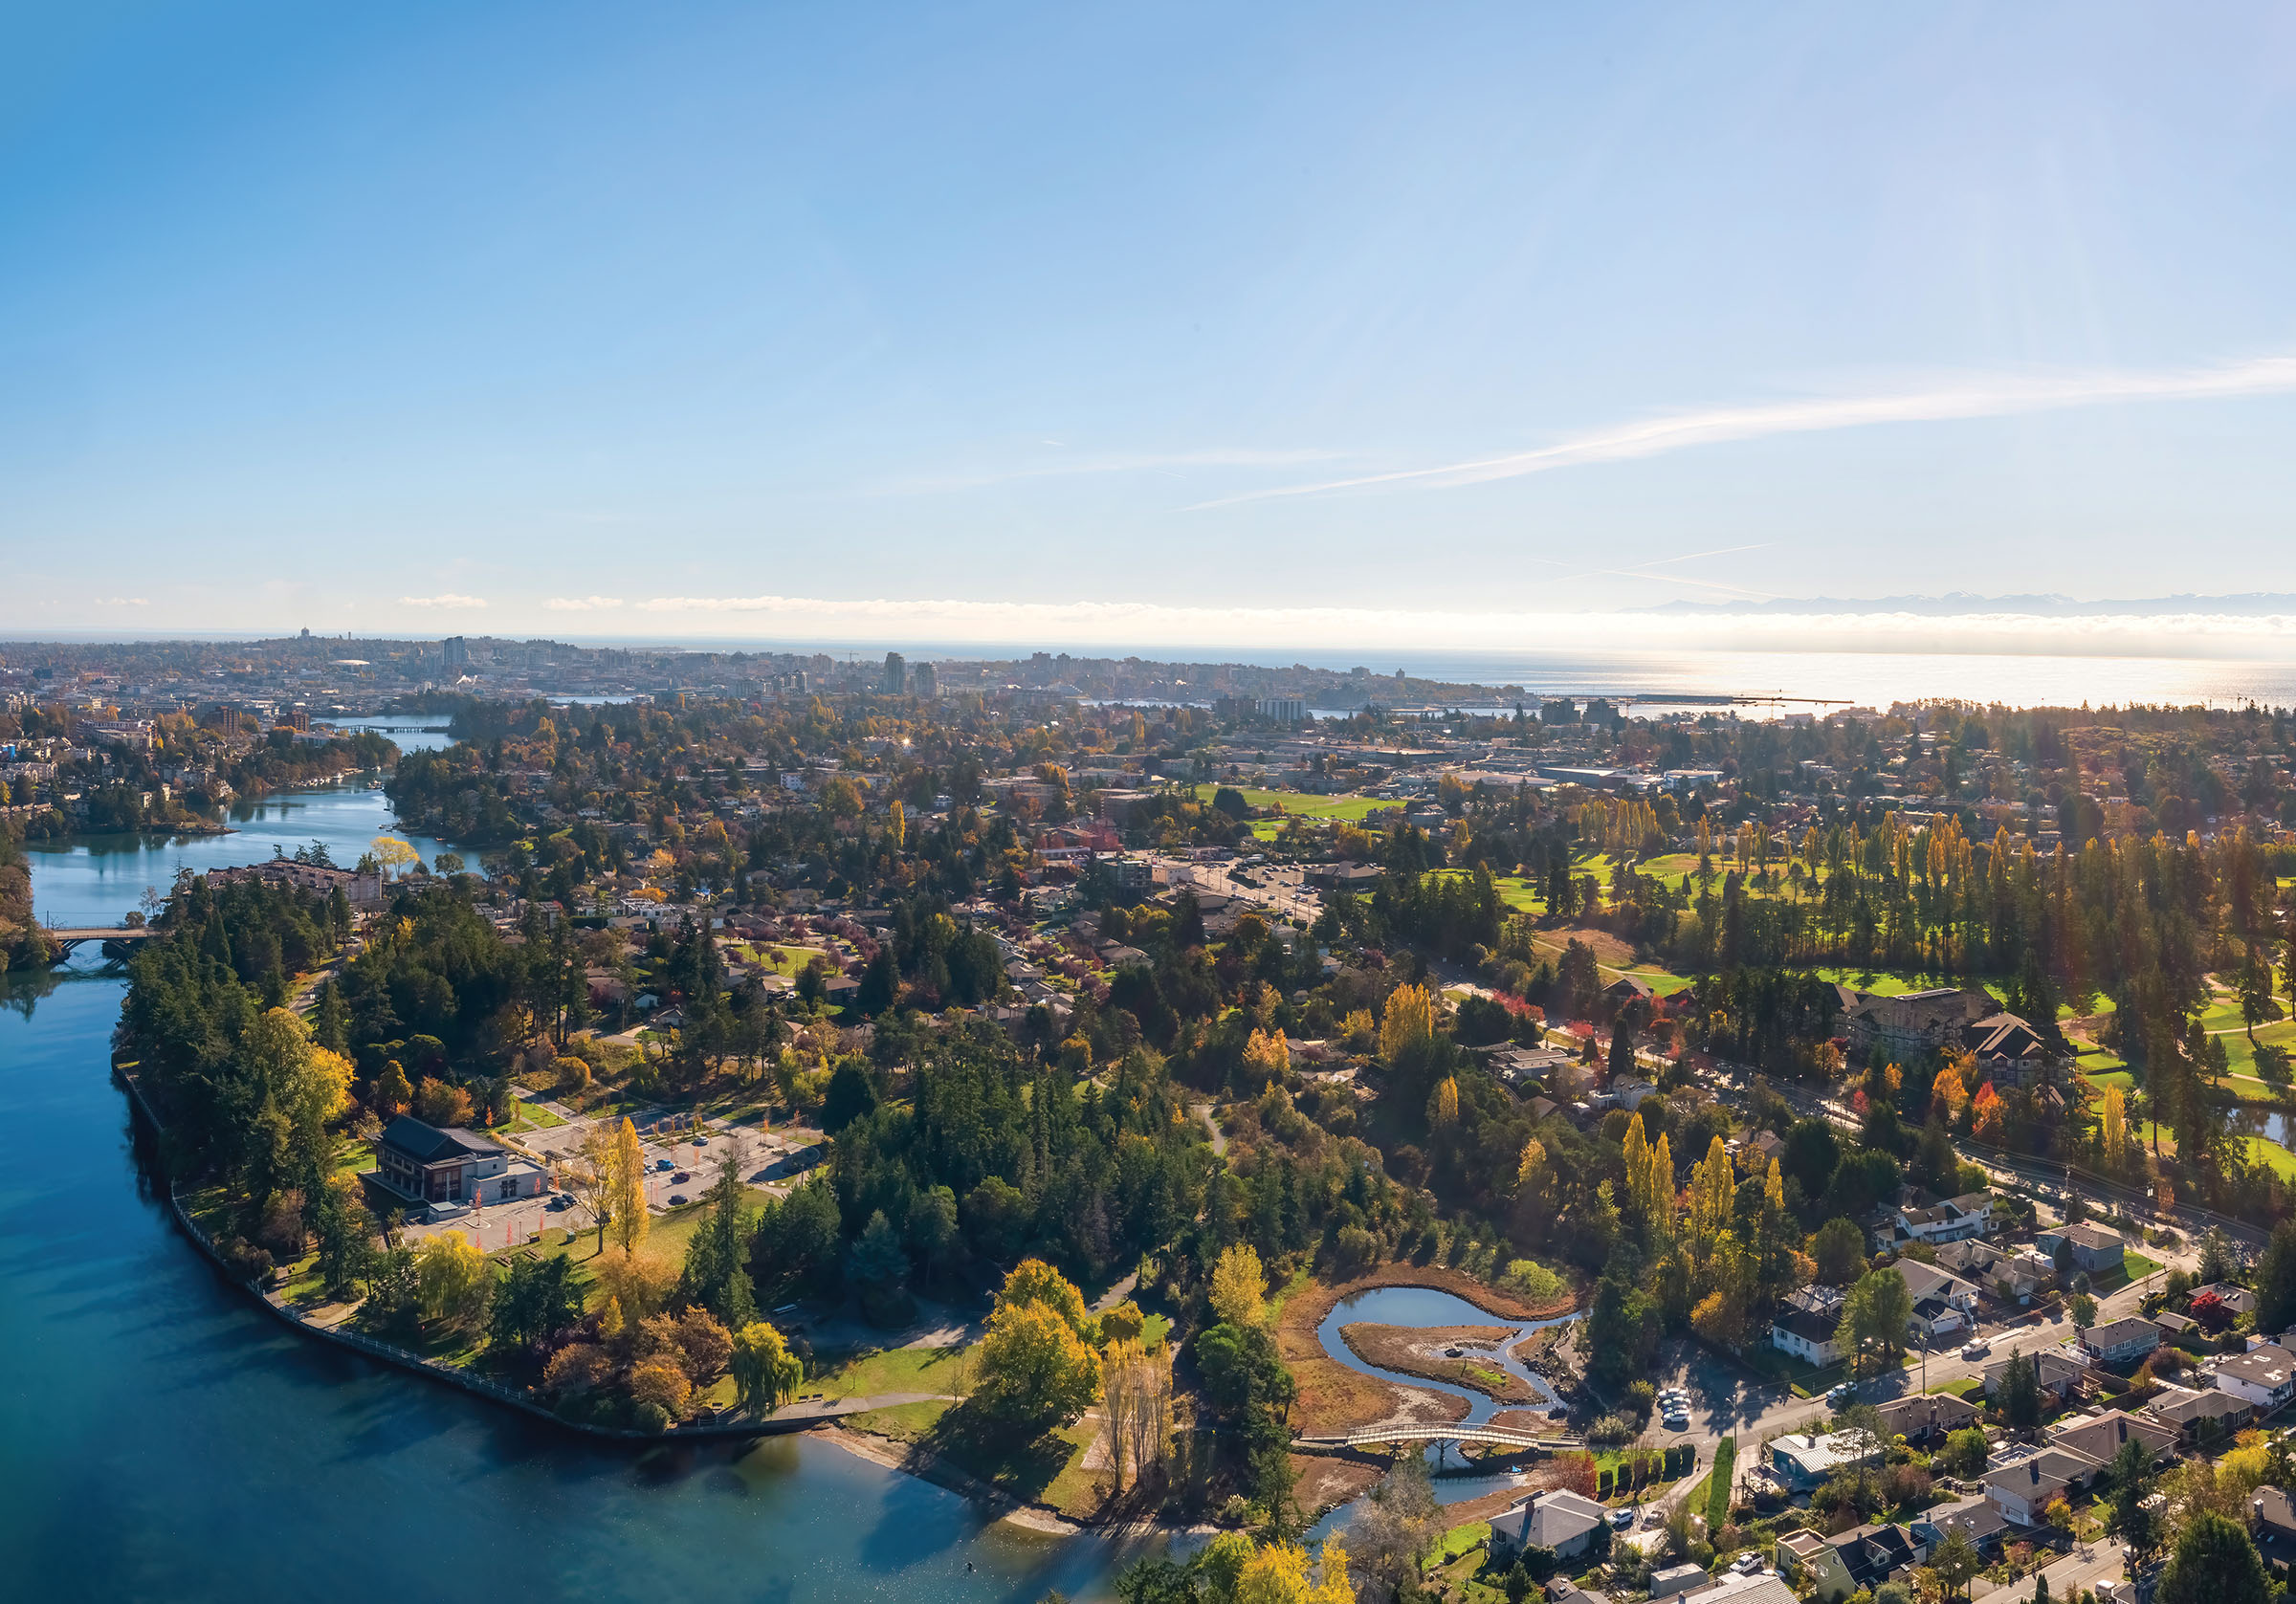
[
  {"x": 1277, "y": 1574},
  {"x": 1443, "y": 1103},
  {"x": 1267, "y": 1054},
  {"x": 1711, "y": 1193},
  {"x": 1530, "y": 1168},
  {"x": 2112, "y": 1127},
  {"x": 1238, "y": 1286},
  {"x": 1638, "y": 1169},
  {"x": 626, "y": 1188},
  {"x": 1408, "y": 1023},
  {"x": 1662, "y": 1186}
]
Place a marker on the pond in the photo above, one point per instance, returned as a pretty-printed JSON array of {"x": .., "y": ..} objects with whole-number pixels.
[{"x": 1422, "y": 1306}]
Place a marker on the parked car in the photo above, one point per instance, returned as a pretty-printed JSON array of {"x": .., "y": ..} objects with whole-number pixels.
[
  {"x": 663, "y": 1164},
  {"x": 1976, "y": 1349},
  {"x": 1622, "y": 1519},
  {"x": 1842, "y": 1395},
  {"x": 1677, "y": 1420},
  {"x": 560, "y": 1201},
  {"x": 682, "y": 1177},
  {"x": 677, "y": 1200}
]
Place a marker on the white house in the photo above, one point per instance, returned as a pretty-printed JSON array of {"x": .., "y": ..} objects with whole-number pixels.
[
  {"x": 1807, "y": 1335},
  {"x": 2264, "y": 1377}
]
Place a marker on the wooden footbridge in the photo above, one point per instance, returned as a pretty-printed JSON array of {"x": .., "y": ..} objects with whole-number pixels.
[
  {"x": 119, "y": 940},
  {"x": 1507, "y": 1437}
]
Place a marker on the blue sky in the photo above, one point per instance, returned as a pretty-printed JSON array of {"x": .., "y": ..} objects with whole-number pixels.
[{"x": 438, "y": 317}]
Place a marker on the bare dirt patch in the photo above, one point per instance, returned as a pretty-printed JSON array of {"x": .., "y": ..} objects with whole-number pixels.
[
  {"x": 1323, "y": 1481},
  {"x": 1462, "y": 1355}
]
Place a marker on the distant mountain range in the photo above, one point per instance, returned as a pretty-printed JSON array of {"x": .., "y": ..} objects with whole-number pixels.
[{"x": 1955, "y": 603}]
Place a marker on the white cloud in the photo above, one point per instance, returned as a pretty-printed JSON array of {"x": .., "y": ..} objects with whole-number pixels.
[
  {"x": 1143, "y": 625},
  {"x": 122, "y": 602},
  {"x": 582, "y": 604},
  {"x": 446, "y": 600},
  {"x": 1979, "y": 396}
]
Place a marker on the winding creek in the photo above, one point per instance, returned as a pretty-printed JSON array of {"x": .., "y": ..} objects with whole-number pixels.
[
  {"x": 164, "y": 1438},
  {"x": 1424, "y": 1306}
]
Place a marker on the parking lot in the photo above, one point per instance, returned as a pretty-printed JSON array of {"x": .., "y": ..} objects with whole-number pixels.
[{"x": 680, "y": 1165}]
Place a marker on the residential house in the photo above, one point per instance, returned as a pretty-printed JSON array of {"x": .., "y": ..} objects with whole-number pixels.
[
  {"x": 1974, "y": 1518},
  {"x": 2266, "y": 1376},
  {"x": 1926, "y": 1419},
  {"x": 2207, "y": 1415},
  {"x": 2103, "y": 1436},
  {"x": 2272, "y": 1523},
  {"x": 1798, "y": 1551},
  {"x": 1559, "y": 1520},
  {"x": 1804, "y": 1325},
  {"x": 1675, "y": 1580},
  {"x": 1803, "y": 1460},
  {"x": 1937, "y": 1321},
  {"x": 2094, "y": 1248},
  {"x": 2023, "y": 1489},
  {"x": 1954, "y": 1219},
  {"x": 2011, "y": 1277},
  {"x": 2180, "y": 1329},
  {"x": 450, "y": 1169},
  {"x": 2060, "y": 1375},
  {"x": 2235, "y": 1300},
  {"x": 1862, "y": 1557},
  {"x": 1927, "y": 1282},
  {"x": 2119, "y": 1342}
]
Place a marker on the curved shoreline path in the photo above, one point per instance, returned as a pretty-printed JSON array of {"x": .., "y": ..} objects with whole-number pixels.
[{"x": 164, "y": 1431}]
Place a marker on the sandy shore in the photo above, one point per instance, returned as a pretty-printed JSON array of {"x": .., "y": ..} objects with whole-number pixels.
[{"x": 900, "y": 1457}]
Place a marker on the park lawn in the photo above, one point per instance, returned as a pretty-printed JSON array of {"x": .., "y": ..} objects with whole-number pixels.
[
  {"x": 1671, "y": 866},
  {"x": 887, "y": 1370},
  {"x": 1074, "y": 1490},
  {"x": 1353, "y": 809},
  {"x": 1154, "y": 1330},
  {"x": 2265, "y": 1151},
  {"x": 1876, "y": 981},
  {"x": 1516, "y": 890},
  {"x": 2103, "y": 1077},
  {"x": 903, "y": 1422}
]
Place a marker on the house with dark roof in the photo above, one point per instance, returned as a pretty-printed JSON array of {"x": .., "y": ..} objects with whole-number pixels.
[
  {"x": 1807, "y": 1335},
  {"x": 1974, "y": 1518},
  {"x": 1862, "y": 1557},
  {"x": 449, "y": 1168},
  {"x": 1558, "y": 1519},
  {"x": 2208, "y": 1415},
  {"x": 2094, "y": 1248},
  {"x": 2011, "y": 1277},
  {"x": 2103, "y": 1436},
  {"x": 2023, "y": 1489},
  {"x": 2119, "y": 1342},
  {"x": 2272, "y": 1523},
  {"x": 2059, "y": 1374},
  {"x": 1926, "y": 1419}
]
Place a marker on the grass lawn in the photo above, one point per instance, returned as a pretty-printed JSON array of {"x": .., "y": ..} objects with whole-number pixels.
[
  {"x": 904, "y": 1422},
  {"x": 1354, "y": 809},
  {"x": 2265, "y": 1151},
  {"x": 2103, "y": 1077},
  {"x": 888, "y": 1370},
  {"x": 1962, "y": 1388},
  {"x": 1460, "y": 1540}
]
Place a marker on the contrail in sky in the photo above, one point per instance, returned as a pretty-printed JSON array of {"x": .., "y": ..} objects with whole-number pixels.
[{"x": 1987, "y": 396}]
